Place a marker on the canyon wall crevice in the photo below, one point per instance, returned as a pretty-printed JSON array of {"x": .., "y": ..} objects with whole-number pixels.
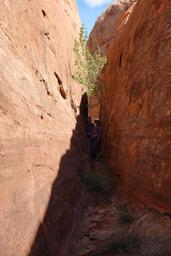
[
  {"x": 136, "y": 103},
  {"x": 37, "y": 119}
]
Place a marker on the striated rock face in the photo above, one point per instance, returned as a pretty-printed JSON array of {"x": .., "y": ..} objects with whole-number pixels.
[
  {"x": 36, "y": 120},
  {"x": 136, "y": 103},
  {"x": 104, "y": 31},
  {"x": 106, "y": 26}
]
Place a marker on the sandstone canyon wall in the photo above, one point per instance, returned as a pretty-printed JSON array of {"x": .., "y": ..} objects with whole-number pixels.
[
  {"x": 106, "y": 26},
  {"x": 136, "y": 103},
  {"x": 102, "y": 34},
  {"x": 36, "y": 119}
]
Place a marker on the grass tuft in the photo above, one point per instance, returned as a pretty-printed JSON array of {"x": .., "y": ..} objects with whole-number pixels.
[
  {"x": 124, "y": 243},
  {"x": 126, "y": 216},
  {"x": 98, "y": 180}
]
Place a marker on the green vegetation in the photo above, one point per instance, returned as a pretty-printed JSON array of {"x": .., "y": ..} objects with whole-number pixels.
[
  {"x": 125, "y": 215},
  {"x": 123, "y": 243},
  {"x": 98, "y": 180},
  {"x": 88, "y": 65}
]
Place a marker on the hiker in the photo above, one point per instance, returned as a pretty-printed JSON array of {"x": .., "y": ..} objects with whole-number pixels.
[{"x": 89, "y": 127}]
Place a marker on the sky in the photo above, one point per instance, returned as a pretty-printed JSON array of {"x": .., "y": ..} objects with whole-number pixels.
[{"x": 90, "y": 9}]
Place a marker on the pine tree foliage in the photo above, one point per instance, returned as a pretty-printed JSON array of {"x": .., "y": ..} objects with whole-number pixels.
[{"x": 88, "y": 65}]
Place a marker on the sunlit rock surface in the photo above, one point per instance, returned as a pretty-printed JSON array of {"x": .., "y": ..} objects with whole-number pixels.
[
  {"x": 106, "y": 26},
  {"x": 36, "y": 117},
  {"x": 136, "y": 97},
  {"x": 102, "y": 35}
]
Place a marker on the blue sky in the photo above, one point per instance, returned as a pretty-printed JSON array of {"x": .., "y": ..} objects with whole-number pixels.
[{"x": 90, "y": 9}]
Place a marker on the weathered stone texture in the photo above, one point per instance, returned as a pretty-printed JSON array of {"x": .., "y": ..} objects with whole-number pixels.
[
  {"x": 136, "y": 103},
  {"x": 103, "y": 33},
  {"x": 106, "y": 26},
  {"x": 36, "y": 122}
]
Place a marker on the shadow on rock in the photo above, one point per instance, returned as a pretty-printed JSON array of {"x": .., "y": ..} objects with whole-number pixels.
[{"x": 58, "y": 232}]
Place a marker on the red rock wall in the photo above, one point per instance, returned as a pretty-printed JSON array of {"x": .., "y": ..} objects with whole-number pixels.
[
  {"x": 93, "y": 107},
  {"x": 102, "y": 35},
  {"x": 136, "y": 103},
  {"x": 106, "y": 26},
  {"x": 36, "y": 122}
]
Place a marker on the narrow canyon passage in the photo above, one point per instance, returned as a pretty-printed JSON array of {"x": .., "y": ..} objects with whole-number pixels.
[
  {"x": 100, "y": 222},
  {"x": 88, "y": 215},
  {"x": 55, "y": 200}
]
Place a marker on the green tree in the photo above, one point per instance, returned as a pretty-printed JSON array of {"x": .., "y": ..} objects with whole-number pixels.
[{"x": 88, "y": 65}]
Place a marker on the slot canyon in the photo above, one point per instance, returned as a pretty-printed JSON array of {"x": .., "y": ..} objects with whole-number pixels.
[{"x": 54, "y": 199}]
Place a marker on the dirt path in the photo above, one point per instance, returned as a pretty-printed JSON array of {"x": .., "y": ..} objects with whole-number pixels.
[
  {"x": 99, "y": 224},
  {"x": 113, "y": 227}
]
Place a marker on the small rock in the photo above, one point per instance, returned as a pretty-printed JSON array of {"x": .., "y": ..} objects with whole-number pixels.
[{"x": 101, "y": 234}]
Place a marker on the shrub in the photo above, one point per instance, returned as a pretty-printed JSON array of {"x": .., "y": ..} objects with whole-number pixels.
[
  {"x": 98, "y": 180},
  {"x": 88, "y": 65},
  {"x": 123, "y": 243},
  {"x": 125, "y": 215}
]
